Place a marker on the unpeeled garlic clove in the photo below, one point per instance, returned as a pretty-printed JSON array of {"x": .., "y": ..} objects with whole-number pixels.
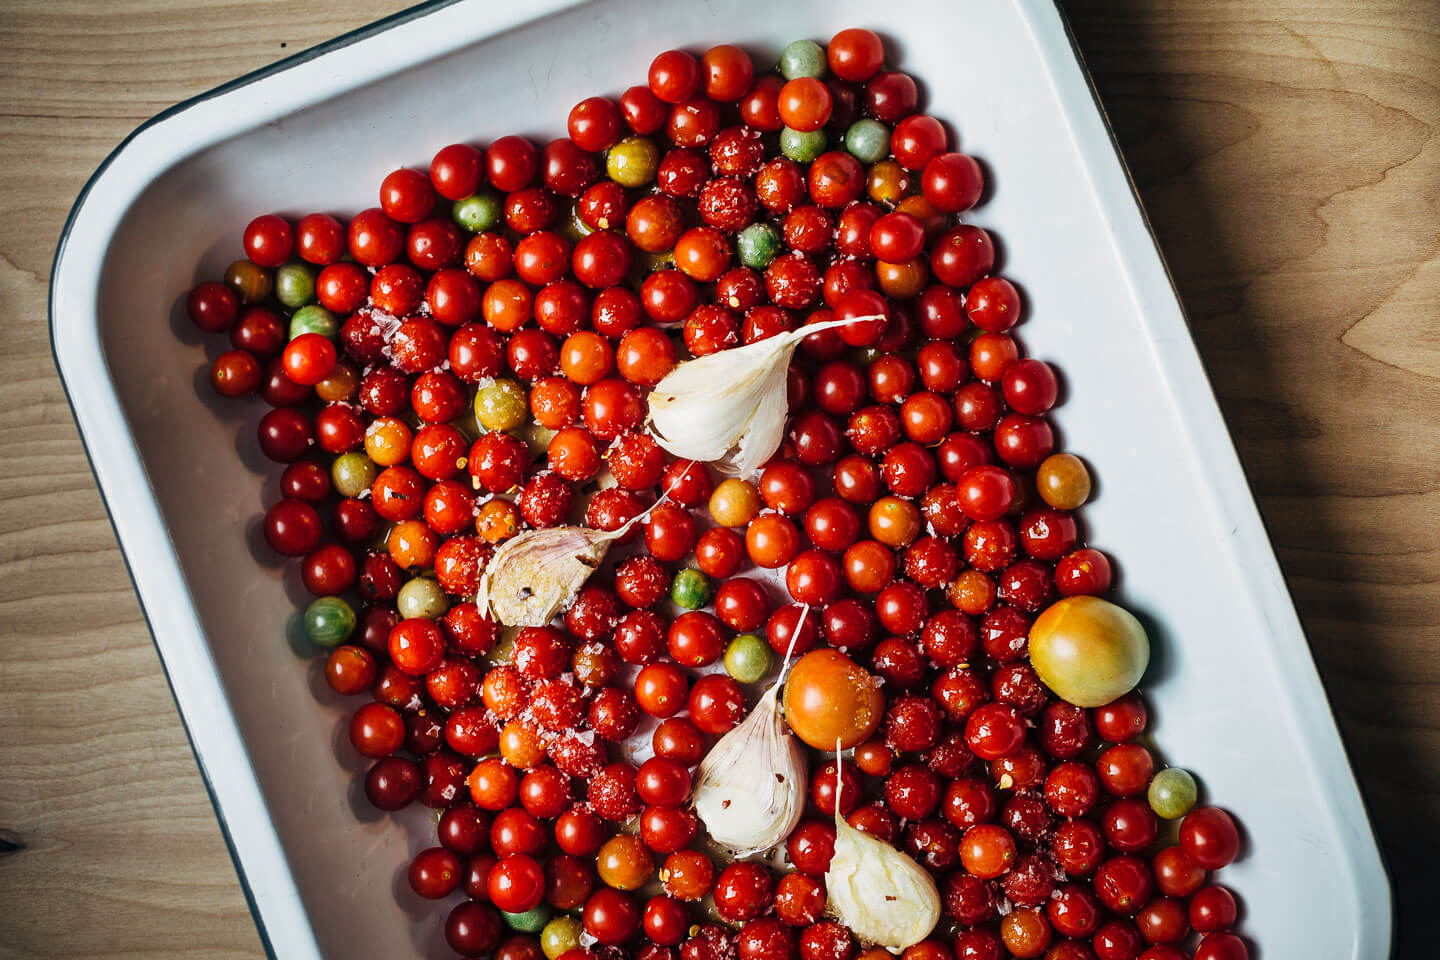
[
  {"x": 533, "y": 574},
  {"x": 750, "y": 792},
  {"x": 728, "y": 408}
]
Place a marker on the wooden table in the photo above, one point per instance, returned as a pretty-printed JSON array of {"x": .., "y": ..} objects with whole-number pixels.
[{"x": 1287, "y": 155}]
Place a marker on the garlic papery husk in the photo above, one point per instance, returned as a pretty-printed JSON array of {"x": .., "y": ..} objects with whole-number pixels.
[
  {"x": 750, "y": 792},
  {"x": 882, "y": 895},
  {"x": 728, "y": 408}
]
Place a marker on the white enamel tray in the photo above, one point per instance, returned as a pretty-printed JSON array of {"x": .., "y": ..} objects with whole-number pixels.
[{"x": 1233, "y": 687}]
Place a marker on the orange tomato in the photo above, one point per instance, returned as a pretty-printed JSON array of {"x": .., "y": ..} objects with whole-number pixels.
[{"x": 829, "y": 698}]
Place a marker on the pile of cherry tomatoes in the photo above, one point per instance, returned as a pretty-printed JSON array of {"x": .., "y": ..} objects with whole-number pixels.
[{"x": 470, "y": 359}]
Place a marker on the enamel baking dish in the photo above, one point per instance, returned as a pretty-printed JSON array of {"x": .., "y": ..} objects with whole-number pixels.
[{"x": 1232, "y": 687}]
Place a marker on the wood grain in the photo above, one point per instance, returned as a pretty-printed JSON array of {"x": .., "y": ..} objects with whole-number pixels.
[{"x": 1287, "y": 154}]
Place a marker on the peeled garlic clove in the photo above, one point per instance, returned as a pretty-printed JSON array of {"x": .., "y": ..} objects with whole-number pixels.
[
  {"x": 750, "y": 792},
  {"x": 883, "y": 896},
  {"x": 728, "y": 408},
  {"x": 531, "y": 576}
]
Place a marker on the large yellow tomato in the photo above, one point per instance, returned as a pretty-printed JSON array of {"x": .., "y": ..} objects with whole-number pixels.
[{"x": 1088, "y": 650}]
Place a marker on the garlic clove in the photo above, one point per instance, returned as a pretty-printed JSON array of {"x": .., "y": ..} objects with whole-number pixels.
[
  {"x": 766, "y": 430},
  {"x": 882, "y": 895},
  {"x": 728, "y": 408},
  {"x": 535, "y": 573},
  {"x": 750, "y": 791},
  {"x": 531, "y": 576},
  {"x": 702, "y": 407}
]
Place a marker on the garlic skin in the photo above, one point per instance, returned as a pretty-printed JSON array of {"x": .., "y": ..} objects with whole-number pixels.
[
  {"x": 533, "y": 574},
  {"x": 750, "y": 792},
  {"x": 728, "y": 408},
  {"x": 882, "y": 895}
]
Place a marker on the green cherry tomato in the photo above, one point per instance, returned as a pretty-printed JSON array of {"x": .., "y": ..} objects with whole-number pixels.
[
  {"x": 632, "y": 162},
  {"x": 329, "y": 621},
  {"x": 504, "y": 651},
  {"x": 1172, "y": 793},
  {"x": 802, "y": 147},
  {"x": 690, "y": 589},
  {"x": 757, "y": 245},
  {"x": 314, "y": 319},
  {"x": 748, "y": 658},
  {"x": 501, "y": 405},
  {"x": 802, "y": 58},
  {"x": 868, "y": 141},
  {"x": 478, "y": 212},
  {"x": 353, "y": 473},
  {"x": 295, "y": 285},
  {"x": 531, "y": 921},
  {"x": 421, "y": 597},
  {"x": 560, "y": 936}
]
